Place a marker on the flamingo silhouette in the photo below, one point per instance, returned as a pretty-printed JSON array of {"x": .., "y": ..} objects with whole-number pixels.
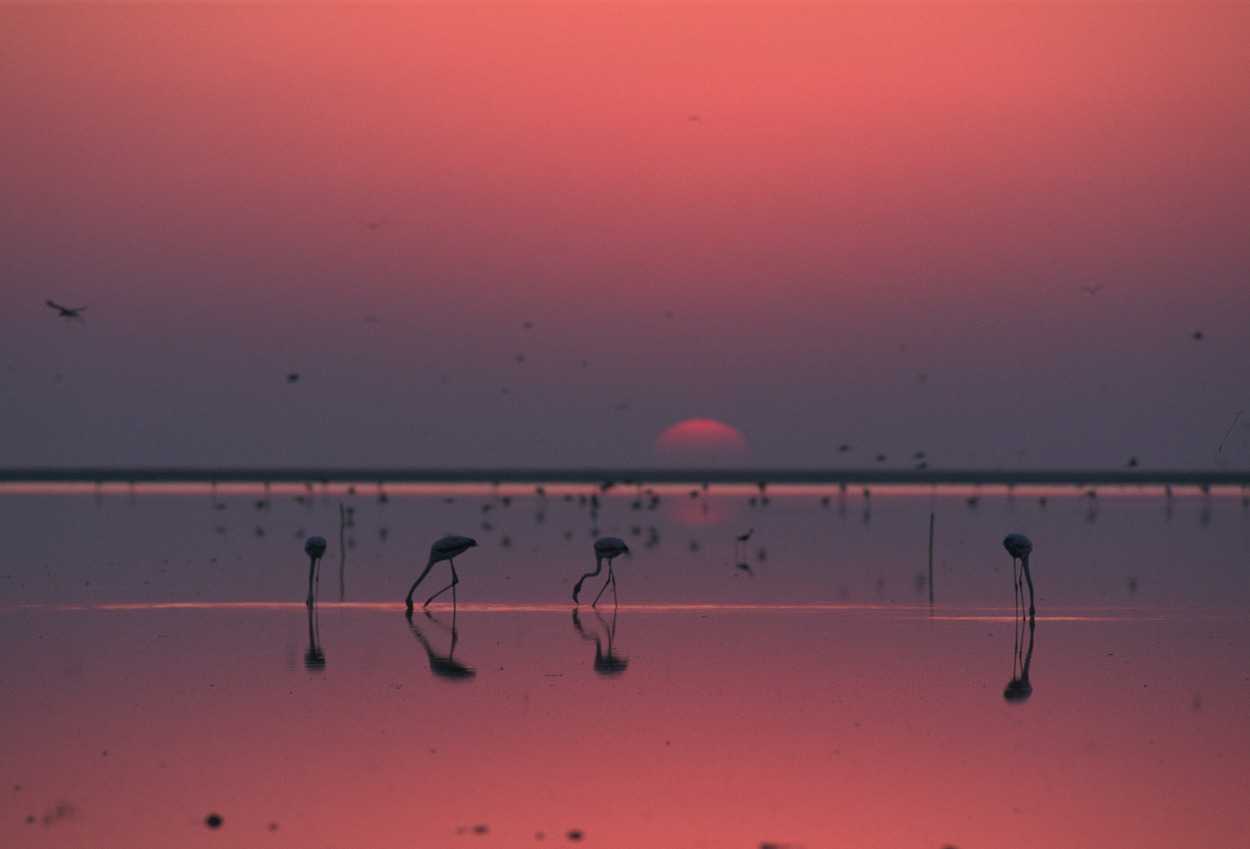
[
  {"x": 1019, "y": 547},
  {"x": 606, "y": 548},
  {"x": 444, "y": 549},
  {"x": 314, "y": 548}
]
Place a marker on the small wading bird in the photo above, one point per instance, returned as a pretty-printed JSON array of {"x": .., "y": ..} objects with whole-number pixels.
[
  {"x": 1019, "y": 547},
  {"x": 606, "y": 548},
  {"x": 445, "y": 549},
  {"x": 314, "y": 548},
  {"x": 68, "y": 312}
]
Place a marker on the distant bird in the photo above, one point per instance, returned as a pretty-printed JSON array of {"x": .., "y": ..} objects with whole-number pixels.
[
  {"x": 1019, "y": 547},
  {"x": 740, "y": 542},
  {"x": 292, "y": 377},
  {"x": 314, "y": 548},
  {"x": 1093, "y": 290},
  {"x": 1197, "y": 333},
  {"x": 68, "y": 312},
  {"x": 606, "y": 548},
  {"x": 446, "y": 548}
]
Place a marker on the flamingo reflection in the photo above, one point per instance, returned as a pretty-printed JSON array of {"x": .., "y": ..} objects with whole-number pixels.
[
  {"x": 314, "y": 548},
  {"x": 443, "y": 666},
  {"x": 314, "y": 658},
  {"x": 1019, "y": 688},
  {"x": 607, "y": 662}
]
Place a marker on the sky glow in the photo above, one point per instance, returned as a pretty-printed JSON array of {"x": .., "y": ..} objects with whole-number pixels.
[{"x": 524, "y": 234}]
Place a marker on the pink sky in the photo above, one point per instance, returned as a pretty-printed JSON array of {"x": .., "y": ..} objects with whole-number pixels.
[{"x": 821, "y": 224}]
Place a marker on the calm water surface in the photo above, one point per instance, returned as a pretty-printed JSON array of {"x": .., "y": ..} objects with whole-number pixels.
[{"x": 797, "y": 689}]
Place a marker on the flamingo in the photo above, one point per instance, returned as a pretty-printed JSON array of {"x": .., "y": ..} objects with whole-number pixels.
[
  {"x": 446, "y": 548},
  {"x": 606, "y": 548},
  {"x": 314, "y": 548},
  {"x": 1019, "y": 547}
]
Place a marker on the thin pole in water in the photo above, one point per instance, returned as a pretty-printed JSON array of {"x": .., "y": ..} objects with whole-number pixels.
[
  {"x": 930, "y": 561},
  {"x": 342, "y": 552}
]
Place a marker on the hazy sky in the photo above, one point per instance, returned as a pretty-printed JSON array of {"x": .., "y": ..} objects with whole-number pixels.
[{"x": 540, "y": 234}]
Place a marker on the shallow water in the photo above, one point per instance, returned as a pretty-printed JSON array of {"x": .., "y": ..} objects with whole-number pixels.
[{"x": 163, "y": 669}]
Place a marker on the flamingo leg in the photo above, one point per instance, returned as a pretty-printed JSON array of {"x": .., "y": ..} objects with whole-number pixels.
[
  {"x": 1024, "y": 565},
  {"x": 416, "y": 583},
  {"x": 312, "y": 571},
  {"x": 611, "y": 580},
  {"x": 1017, "y": 590},
  {"x": 452, "y": 586}
]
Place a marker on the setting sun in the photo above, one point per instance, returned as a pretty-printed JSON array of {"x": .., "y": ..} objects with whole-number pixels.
[{"x": 701, "y": 440}]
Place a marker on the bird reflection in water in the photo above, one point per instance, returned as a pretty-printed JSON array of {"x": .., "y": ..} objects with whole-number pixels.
[
  {"x": 314, "y": 658},
  {"x": 1019, "y": 688},
  {"x": 607, "y": 662},
  {"x": 443, "y": 666}
]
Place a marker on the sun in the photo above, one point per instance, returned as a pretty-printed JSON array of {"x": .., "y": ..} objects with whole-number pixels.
[{"x": 702, "y": 441}]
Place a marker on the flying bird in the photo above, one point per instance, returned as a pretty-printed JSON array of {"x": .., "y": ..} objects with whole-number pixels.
[
  {"x": 1019, "y": 547},
  {"x": 314, "y": 548},
  {"x": 68, "y": 312},
  {"x": 606, "y": 548},
  {"x": 447, "y": 549},
  {"x": 1093, "y": 290}
]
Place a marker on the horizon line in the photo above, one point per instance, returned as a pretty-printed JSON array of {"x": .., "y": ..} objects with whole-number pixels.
[{"x": 606, "y": 477}]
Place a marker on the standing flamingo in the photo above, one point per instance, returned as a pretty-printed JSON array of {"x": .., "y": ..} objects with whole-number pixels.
[
  {"x": 1019, "y": 547},
  {"x": 314, "y": 548},
  {"x": 606, "y": 548},
  {"x": 445, "y": 549}
]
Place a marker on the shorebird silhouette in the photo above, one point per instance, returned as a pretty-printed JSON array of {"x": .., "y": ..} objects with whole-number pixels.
[
  {"x": 1019, "y": 547},
  {"x": 68, "y": 312},
  {"x": 446, "y": 548},
  {"x": 314, "y": 548},
  {"x": 606, "y": 548}
]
